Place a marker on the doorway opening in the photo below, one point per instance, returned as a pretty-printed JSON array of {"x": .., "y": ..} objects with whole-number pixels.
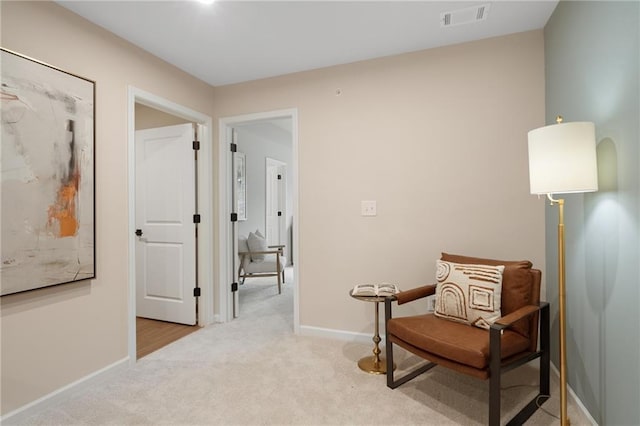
[
  {"x": 259, "y": 137},
  {"x": 162, "y": 230}
]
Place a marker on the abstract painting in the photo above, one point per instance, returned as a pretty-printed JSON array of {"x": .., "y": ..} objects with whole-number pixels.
[{"x": 47, "y": 191}]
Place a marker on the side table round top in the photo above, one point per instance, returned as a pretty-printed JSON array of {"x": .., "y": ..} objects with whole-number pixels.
[{"x": 368, "y": 298}]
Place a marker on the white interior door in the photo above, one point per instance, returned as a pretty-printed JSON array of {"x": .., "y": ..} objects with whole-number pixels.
[
  {"x": 276, "y": 202},
  {"x": 165, "y": 207}
]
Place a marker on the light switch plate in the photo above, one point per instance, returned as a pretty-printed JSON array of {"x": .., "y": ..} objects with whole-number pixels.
[{"x": 369, "y": 208}]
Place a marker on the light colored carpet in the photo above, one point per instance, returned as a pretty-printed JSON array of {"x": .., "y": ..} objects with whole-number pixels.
[{"x": 255, "y": 371}]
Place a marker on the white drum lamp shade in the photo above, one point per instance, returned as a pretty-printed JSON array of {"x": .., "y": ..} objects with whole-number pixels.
[{"x": 562, "y": 158}]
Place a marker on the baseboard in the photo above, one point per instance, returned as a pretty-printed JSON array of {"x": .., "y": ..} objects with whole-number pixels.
[
  {"x": 348, "y": 336},
  {"x": 19, "y": 415}
]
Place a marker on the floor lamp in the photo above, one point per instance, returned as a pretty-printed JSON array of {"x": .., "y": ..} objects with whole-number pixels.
[{"x": 562, "y": 159}]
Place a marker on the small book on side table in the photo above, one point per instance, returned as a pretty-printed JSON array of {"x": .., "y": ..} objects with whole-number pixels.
[{"x": 379, "y": 290}]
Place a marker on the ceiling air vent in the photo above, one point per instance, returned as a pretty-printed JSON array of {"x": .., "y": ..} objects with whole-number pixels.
[{"x": 464, "y": 16}]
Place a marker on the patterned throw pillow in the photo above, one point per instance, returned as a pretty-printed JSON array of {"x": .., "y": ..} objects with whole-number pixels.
[{"x": 468, "y": 293}]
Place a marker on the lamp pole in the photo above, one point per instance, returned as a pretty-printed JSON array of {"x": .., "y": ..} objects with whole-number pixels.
[{"x": 564, "y": 419}]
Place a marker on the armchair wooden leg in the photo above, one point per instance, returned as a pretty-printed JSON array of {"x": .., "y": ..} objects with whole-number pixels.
[{"x": 279, "y": 273}]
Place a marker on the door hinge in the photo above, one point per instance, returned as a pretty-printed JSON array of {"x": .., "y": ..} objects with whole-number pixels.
[
  {"x": 234, "y": 147},
  {"x": 196, "y": 145},
  {"x": 196, "y": 292},
  {"x": 279, "y": 213},
  {"x": 234, "y": 217},
  {"x": 279, "y": 177},
  {"x": 234, "y": 286},
  {"x": 196, "y": 218}
]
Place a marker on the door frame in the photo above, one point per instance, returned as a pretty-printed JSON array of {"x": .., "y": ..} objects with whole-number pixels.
[
  {"x": 225, "y": 272},
  {"x": 205, "y": 205}
]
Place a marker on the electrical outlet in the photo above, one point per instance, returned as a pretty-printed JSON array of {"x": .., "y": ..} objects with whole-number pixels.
[{"x": 369, "y": 208}]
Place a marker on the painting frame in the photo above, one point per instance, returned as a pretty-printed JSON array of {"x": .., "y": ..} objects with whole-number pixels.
[
  {"x": 240, "y": 180},
  {"x": 47, "y": 175}
]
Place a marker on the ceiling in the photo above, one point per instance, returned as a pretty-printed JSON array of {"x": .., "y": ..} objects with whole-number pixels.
[{"x": 230, "y": 42}]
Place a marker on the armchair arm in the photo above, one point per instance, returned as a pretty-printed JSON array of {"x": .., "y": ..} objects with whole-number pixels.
[
  {"x": 406, "y": 296},
  {"x": 415, "y": 293},
  {"x": 260, "y": 252},
  {"x": 508, "y": 320},
  {"x": 495, "y": 340}
]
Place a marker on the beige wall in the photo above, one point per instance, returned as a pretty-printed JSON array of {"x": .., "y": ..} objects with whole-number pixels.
[
  {"x": 55, "y": 336},
  {"x": 438, "y": 138}
]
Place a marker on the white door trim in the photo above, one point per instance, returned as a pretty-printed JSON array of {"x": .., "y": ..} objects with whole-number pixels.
[
  {"x": 224, "y": 205},
  {"x": 205, "y": 205}
]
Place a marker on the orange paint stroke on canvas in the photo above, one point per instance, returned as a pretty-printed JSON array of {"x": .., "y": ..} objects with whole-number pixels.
[{"x": 64, "y": 209}]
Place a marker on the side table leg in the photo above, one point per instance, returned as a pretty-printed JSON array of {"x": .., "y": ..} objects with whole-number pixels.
[
  {"x": 376, "y": 339},
  {"x": 375, "y": 364}
]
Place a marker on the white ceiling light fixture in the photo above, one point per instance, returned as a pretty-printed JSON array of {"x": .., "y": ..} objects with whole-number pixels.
[
  {"x": 206, "y": 1},
  {"x": 467, "y": 15}
]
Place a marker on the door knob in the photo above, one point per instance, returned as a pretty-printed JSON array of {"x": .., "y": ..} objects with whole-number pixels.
[{"x": 139, "y": 232}]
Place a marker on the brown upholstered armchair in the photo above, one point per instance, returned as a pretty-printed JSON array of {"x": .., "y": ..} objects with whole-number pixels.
[{"x": 510, "y": 342}]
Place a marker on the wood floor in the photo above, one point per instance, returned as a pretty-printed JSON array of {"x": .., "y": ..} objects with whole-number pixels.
[{"x": 151, "y": 335}]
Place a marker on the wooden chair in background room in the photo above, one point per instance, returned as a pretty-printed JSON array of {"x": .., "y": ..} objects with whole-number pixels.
[
  {"x": 259, "y": 260},
  {"x": 511, "y": 341}
]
